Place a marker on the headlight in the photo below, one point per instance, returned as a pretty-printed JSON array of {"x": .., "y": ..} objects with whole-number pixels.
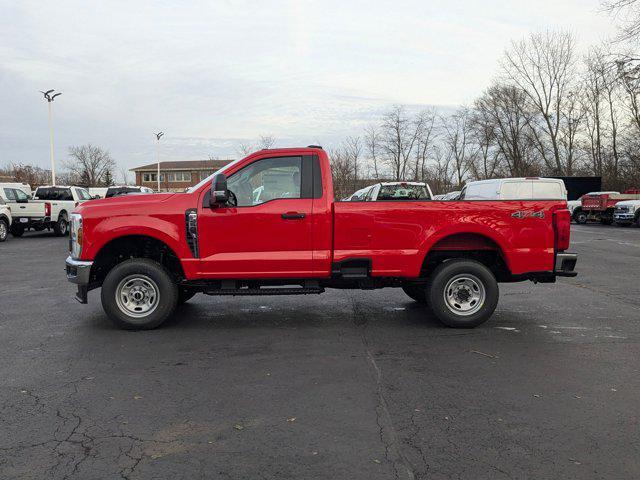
[{"x": 75, "y": 235}]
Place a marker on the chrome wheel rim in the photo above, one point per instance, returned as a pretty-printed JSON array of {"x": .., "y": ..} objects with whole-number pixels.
[
  {"x": 63, "y": 226},
  {"x": 3, "y": 230},
  {"x": 137, "y": 296},
  {"x": 464, "y": 294}
]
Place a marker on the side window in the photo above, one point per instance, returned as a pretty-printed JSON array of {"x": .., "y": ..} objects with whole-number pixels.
[
  {"x": 9, "y": 193},
  {"x": 267, "y": 179},
  {"x": 83, "y": 194},
  {"x": 20, "y": 195},
  {"x": 462, "y": 193}
]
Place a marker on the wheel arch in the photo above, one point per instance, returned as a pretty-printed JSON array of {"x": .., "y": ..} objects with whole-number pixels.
[
  {"x": 486, "y": 248},
  {"x": 125, "y": 247}
]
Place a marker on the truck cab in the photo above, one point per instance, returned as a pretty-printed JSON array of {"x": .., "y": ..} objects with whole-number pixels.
[
  {"x": 62, "y": 200},
  {"x": 268, "y": 224}
]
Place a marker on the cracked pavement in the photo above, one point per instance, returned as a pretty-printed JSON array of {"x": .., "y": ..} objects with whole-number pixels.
[{"x": 348, "y": 384}]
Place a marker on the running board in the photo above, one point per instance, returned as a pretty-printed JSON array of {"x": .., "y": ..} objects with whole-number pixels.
[{"x": 266, "y": 291}]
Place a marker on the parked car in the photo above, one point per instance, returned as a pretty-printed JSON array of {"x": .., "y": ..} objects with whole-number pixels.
[
  {"x": 148, "y": 253},
  {"x": 392, "y": 191},
  {"x": 600, "y": 206},
  {"x": 627, "y": 212},
  {"x": 5, "y": 220},
  {"x": 26, "y": 213},
  {"x": 115, "y": 190},
  {"x": 63, "y": 201},
  {"x": 451, "y": 196},
  {"x": 529, "y": 188}
]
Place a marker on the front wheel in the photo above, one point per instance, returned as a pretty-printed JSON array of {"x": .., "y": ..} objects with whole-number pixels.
[
  {"x": 139, "y": 294},
  {"x": 462, "y": 293}
]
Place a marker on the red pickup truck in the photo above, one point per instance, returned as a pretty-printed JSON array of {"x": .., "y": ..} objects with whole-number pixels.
[{"x": 268, "y": 224}]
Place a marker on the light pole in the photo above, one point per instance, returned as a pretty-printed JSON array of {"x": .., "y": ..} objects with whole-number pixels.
[
  {"x": 50, "y": 98},
  {"x": 158, "y": 137}
]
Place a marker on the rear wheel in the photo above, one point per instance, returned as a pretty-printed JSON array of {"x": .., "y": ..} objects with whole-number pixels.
[
  {"x": 416, "y": 292},
  {"x": 462, "y": 293},
  {"x": 580, "y": 217},
  {"x": 139, "y": 294},
  {"x": 4, "y": 230},
  {"x": 61, "y": 227}
]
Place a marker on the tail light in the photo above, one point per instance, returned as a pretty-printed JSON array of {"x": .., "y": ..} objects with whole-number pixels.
[
  {"x": 562, "y": 228},
  {"x": 47, "y": 209}
]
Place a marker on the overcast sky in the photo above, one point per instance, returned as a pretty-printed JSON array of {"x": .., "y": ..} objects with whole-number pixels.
[{"x": 212, "y": 73}]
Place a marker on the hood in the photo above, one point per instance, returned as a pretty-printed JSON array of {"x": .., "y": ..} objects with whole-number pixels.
[
  {"x": 626, "y": 203},
  {"x": 124, "y": 201}
]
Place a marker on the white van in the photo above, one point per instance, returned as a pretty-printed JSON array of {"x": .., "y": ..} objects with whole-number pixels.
[{"x": 529, "y": 188}]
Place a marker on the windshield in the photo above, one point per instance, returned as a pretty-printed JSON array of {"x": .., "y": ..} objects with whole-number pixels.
[{"x": 208, "y": 179}]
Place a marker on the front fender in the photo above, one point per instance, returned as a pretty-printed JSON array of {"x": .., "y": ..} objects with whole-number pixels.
[{"x": 107, "y": 229}]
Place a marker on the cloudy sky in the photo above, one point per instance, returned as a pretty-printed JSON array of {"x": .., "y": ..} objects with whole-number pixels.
[{"x": 214, "y": 73}]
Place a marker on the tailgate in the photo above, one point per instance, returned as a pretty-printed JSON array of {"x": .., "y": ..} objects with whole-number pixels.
[{"x": 30, "y": 209}]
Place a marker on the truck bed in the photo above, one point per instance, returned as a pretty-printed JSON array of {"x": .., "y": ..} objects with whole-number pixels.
[{"x": 396, "y": 236}]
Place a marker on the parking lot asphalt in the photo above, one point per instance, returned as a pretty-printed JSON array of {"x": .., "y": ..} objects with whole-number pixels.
[{"x": 344, "y": 385}]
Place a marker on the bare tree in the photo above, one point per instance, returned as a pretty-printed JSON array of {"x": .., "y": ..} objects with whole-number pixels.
[
  {"x": 372, "y": 143},
  {"x": 89, "y": 164},
  {"x": 399, "y": 134},
  {"x": 459, "y": 142},
  {"x": 266, "y": 141},
  {"x": 543, "y": 66},
  {"x": 426, "y": 122},
  {"x": 629, "y": 12}
]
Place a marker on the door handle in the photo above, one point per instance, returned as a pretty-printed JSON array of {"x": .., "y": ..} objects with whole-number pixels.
[{"x": 293, "y": 216}]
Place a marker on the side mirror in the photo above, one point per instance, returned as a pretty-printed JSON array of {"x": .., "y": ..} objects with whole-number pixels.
[{"x": 219, "y": 191}]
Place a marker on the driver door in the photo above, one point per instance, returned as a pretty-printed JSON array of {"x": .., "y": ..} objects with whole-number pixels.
[{"x": 265, "y": 230}]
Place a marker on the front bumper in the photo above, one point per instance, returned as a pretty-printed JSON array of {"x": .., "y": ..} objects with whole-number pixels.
[
  {"x": 624, "y": 217},
  {"x": 79, "y": 272},
  {"x": 565, "y": 265}
]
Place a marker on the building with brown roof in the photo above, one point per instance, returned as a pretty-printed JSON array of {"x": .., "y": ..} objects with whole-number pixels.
[{"x": 175, "y": 176}]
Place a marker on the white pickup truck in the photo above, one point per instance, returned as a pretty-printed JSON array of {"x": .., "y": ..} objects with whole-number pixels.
[
  {"x": 26, "y": 213},
  {"x": 63, "y": 201},
  {"x": 627, "y": 212}
]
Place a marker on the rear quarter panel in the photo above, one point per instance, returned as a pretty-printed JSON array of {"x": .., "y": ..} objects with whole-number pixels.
[{"x": 398, "y": 235}]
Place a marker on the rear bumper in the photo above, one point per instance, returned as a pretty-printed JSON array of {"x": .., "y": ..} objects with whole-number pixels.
[
  {"x": 28, "y": 222},
  {"x": 565, "y": 265},
  {"x": 79, "y": 272}
]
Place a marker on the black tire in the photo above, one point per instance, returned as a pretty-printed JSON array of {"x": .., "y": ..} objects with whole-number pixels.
[
  {"x": 4, "y": 229},
  {"x": 606, "y": 221},
  {"x": 466, "y": 273},
  {"x": 61, "y": 227},
  {"x": 185, "y": 294},
  {"x": 638, "y": 220},
  {"x": 580, "y": 217},
  {"x": 416, "y": 292},
  {"x": 158, "y": 281},
  {"x": 17, "y": 230}
]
